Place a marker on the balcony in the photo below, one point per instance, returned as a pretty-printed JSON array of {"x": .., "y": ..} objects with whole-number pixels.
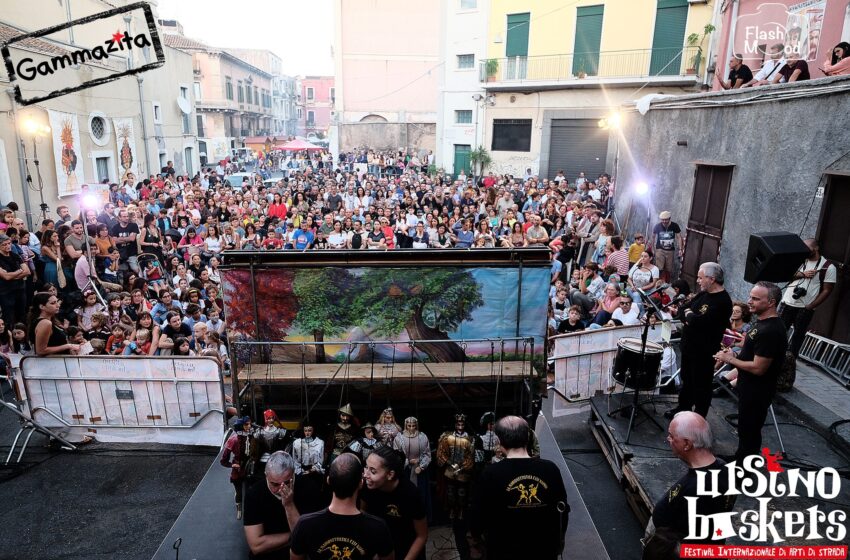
[{"x": 678, "y": 66}]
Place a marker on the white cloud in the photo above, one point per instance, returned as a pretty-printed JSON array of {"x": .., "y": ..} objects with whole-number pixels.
[{"x": 299, "y": 32}]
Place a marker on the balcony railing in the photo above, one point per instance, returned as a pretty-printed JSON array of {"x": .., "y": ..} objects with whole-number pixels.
[{"x": 642, "y": 63}]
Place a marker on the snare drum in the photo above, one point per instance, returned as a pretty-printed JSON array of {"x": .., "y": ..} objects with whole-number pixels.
[{"x": 627, "y": 364}]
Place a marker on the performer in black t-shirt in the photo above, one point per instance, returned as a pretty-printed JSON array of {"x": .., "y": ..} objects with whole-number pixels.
[
  {"x": 758, "y": 364},
  {"x": 518, "y": 497},
  {"x": 395, "y": 499},
  {"x": 270, "y": 509},
  {"x": 705, "y": 319},
  {"x": 341, "y": 530},
  {"x": 689, "y": 436}
]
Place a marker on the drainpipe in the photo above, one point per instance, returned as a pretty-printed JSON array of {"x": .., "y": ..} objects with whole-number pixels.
[
  {"x": 139, "y": 80},
  {"x": 730, "y": 45},
  {"x": 25, "y": 189},
  {"x": 715, "y": 21}
]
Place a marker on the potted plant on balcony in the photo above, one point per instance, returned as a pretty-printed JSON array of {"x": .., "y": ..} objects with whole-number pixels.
[
  {"x": 696, "y": 40},
  {"x": 491, "y": 67}
]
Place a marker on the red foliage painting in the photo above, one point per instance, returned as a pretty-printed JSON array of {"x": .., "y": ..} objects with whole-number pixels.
[{"x": 276, "y": 307}]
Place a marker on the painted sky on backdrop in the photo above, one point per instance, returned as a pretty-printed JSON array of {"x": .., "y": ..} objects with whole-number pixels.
[{"x": 284, "y": 27}]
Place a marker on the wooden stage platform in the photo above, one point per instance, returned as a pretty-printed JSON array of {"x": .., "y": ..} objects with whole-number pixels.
[
  {"x": 646, "y": 467},
  {"x": 447, "y": 372}
]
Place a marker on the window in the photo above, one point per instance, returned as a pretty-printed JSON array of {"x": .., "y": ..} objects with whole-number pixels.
[
  {"x": 511, "y": 135},
  {"x": 588, "y": 39},
  {"x": 468, "y": 4},
  {"x": 465, "y": 61},
  {"x": 197, "y": 91},
  {"x": 98, "y": 128},
  {"x": 333, "y": 94},
  {"x": 187, "y": 124},
  {"x": 163, "y": 159},
  {"x": 299, "y": 112},
  {"x": 463, "y": 116},
  {"x": 102, "y": 166},
  {"x": 189, "y": 161},
  {"x": 310, "y": 94},
  {"x": 248, "y": 94},
  {"x": 157, "y": 113},
  {"x": 256, "y": 95},
  {"x": 240, "y": 94},
  {"x": 184, "y": 92},
  {"x": 311, "y": 118},
  {"x": 228, "y": 88},
  {"x": 201, "y": 126}
]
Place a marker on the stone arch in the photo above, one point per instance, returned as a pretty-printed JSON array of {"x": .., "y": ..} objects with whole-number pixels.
[{"x": 373, "y": 118}]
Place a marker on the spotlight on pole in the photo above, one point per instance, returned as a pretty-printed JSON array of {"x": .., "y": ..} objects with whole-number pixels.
[
  {"x": 89, "y": 201},
  {"x": 641, "y": 188}
]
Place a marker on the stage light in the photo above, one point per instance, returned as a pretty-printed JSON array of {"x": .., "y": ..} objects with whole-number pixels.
[
  {"x": 641, "y": 188},
  {"x": 89, "y": 201},
  {"x": 33, "y": 127},
  {"x": 614, "y": 120}
]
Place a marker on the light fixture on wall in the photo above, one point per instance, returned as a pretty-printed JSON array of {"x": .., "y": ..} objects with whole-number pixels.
[{"x": 498, "y": 38}]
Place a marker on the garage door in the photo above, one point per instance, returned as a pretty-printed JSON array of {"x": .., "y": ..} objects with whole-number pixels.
[{"x": 577, "y": 145}]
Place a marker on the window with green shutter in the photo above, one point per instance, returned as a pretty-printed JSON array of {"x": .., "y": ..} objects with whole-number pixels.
[
  {"x": 669, "y": 37},
  {"x": 588, "y": 39},
  {"x": 516, "y": 43}
]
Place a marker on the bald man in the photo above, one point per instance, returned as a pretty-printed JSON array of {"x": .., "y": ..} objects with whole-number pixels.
[
  {"x": 690, "y": 439},
  {"x": 520, "y": 495}
]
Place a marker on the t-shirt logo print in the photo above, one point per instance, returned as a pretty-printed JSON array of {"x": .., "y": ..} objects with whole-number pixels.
[
  {"x": 527, "y": 488},
  {"x": 392, "y": 511},
  {"x": 338, "y": 552}
]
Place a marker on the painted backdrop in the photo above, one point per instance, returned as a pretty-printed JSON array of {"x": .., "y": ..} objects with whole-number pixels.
[
  {"x": 67, "y": 152},
  {"x": 427, "y": 303}
]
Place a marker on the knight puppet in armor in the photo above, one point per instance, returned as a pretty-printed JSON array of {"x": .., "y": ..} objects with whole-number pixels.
[
  {"x": 416, "y": 448},
  {"x": 364, "y": 445},
  {"x": 387, "y": 427},
  {"x": 487, "y": 449},
  {"x": 344, "y": 432},
  {"x": 456, "y": 459},
  {"x": 308, "y": 452},
  {"x": 270, "y": 438},
  {"x": 236, "y": 455}
]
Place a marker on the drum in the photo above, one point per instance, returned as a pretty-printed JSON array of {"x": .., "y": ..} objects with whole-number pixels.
[{"x": 627, "y": 364}]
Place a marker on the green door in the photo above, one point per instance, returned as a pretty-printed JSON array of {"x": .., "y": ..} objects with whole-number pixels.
[
  {"x": 516, "y": 46},
  {"x": 669, "y": 38},
  {"x": 588, "y": 38},
  {"x": 462, "y": 159}
]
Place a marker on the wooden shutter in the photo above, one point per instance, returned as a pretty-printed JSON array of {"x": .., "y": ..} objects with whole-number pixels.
[{"x": 588, "y": 39}]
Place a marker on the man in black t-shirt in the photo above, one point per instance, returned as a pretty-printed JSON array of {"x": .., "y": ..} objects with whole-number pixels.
[
  {"x": 689, "y": 436},
  {"x": 667, "y": 241},
  {"x": 758, "y": 364},
  {"x": 270, "y": 509},
  {"x": 739, "y": 73},
  {"x": 341, "y": 530},
  {"x": 705, "y": 319},
  {"x": 125, "y": 233},
  {"x": 13, "y": 272},
  {"x": 520, "y": 503},
  {"x": 396, "y": 500}
]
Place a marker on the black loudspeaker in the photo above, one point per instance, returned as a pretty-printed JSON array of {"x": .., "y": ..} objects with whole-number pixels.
[{"x": 774, "y": 256}]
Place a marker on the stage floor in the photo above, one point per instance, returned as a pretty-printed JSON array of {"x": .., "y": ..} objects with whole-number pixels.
[{"x": 647, "y": 468}]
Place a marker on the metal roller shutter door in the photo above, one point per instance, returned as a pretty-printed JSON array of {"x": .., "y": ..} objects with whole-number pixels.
[{"x": 577, "y": 145}]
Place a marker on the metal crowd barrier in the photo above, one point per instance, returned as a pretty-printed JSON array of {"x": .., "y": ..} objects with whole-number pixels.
[{"x": 831, "y": 356}]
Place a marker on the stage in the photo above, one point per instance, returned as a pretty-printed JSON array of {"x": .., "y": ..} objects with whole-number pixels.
[{"x": 209, "y": 529}]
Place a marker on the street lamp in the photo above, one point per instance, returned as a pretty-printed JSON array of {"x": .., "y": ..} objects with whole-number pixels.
[{"x": 36, "y": 131}]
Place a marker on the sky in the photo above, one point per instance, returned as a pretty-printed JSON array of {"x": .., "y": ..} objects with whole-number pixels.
[{"x": 283, "y": 27}]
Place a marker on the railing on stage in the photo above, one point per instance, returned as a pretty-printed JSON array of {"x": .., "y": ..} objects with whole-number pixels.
[
  {"x": 256, "y": 363},
  {"x": 584, "y": 360},
  {"x": 127, "y": 399}
]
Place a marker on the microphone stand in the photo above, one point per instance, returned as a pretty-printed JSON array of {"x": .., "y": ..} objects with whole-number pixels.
[{"x": 636, "y": 405}]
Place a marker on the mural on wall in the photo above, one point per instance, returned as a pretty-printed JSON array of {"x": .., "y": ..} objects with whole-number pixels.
[
  {"x": 66, "y": 152},
  {"x": 439, "y": 304},
  {"x": 125, "y": 140}
]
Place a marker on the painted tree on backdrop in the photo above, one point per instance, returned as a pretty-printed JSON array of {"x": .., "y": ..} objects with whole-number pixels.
[
  {"x": 324, "y": 303},
  {"x": 426, "y": 303},
  {"x": 275, "y": 313}
]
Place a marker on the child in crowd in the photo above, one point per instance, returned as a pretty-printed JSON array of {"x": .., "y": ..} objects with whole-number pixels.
[
  {"x": 20, "y": 343},
  {"x": 635, "y": 249},
  {"x": 214, "y": 323},
  {"x": 573, "y": 322},
  {"x": 113, "y": 310},
  {"x": 99, "y": 333},
  {"x": 89, "y": 307},
  {"x": 181, "y": 347},
  {"x": 110, "y": 266},
  {"x": 153, "y": 275},
  {"x": 116, "y": 343},
  {"x": 142, "y": 344}
]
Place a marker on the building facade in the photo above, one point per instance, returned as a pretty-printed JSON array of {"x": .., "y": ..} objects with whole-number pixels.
[
  {"x": 318, "y": 95},
  {"x": 136, "y": 123},
  {"x": 462, "y": 98},
  {"x": 554, "y": 70},
  {"x": 387, "y": 67},
  {"x": 234, "y": 97},
  {"x": 807, "y": 29}
]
